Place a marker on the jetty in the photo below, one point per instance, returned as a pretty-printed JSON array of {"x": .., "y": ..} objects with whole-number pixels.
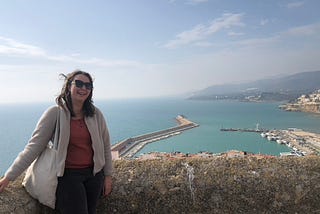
[
  {"x": 241, "y": 130},
  {"x": 130, "y": 146},
  {"x": 257, "y": 129}
]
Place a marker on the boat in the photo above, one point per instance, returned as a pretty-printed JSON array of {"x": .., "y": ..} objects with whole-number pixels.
[
  {"x": 281, "y": 141},
  {"x": 263, "y": 134},
  {"x": 286, "y": 154},
  {"x": 272, "y": 138}
]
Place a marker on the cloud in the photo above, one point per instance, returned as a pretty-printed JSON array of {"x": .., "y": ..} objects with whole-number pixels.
[
  {"x": 201, "y": 32},
  {"x": 11, "y": 47},
  {"x": 305, "y": 30},
  {"x": 14, "y": 49},
  {"x": 203, "y": 44},
  {"x": 232, "y": 33},
  {"x": 258, "y": 42},
  {"x": 194, "y": 2},
  {"x": 190, "y": 2},
  {"x": 295, "y": 4},
  {"x": 264, "y": 22}
]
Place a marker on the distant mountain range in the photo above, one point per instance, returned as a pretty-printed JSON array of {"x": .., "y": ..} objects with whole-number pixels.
[{"x": 274, "y": 89}]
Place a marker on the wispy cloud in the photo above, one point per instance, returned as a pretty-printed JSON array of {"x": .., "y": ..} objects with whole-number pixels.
[
  {"x": 193, "y": 2},
  {"x": 305, "y": 30},
  {"x": 308, "y": 32},
  {"x": 258, "y": 42},
  {"x": 232, "y": 33},
  {"x": 264, "y": 22},
  {"x": 295, "y": 4},
  {"x": 11, "y": 47},
  {"x": 202, "y": 32},
  {"x": 203, "y": 44},
  {"x": 190, "y": 2}
]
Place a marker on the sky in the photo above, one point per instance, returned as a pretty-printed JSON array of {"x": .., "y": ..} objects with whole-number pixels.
[{"x": 152, "y": 48}]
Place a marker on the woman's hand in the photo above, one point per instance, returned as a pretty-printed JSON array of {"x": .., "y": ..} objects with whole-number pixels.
[
  {"x": 107, "y": 186},
  {"x": 4, "y": 182}
]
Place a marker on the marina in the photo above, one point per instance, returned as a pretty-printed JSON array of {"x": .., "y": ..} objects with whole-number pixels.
[
  {"x": 301, "y": 142},
  {"x": 129, "y": 147}
]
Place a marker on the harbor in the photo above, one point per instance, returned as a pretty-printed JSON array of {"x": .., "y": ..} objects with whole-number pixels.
[
  {"x": 301, "y": 142},
  {"x": 131, "y": 146}
]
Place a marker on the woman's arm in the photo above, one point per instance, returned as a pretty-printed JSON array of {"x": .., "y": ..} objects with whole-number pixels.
[
  {"x": 107, "y": 186},
  {"x": 39, "y": 140},
  {"x": 4, "y": 182}
]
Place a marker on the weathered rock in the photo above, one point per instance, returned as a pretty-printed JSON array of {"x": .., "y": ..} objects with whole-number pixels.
[
  {"x": 302, "y": 107},
  {"x": 215, "y": 185}
]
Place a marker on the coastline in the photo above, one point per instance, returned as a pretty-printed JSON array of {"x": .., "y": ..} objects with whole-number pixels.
[{"x": 129, "y": 118}]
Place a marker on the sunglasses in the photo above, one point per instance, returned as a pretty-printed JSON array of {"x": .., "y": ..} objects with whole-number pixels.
[{"x": 80, "y": 84}]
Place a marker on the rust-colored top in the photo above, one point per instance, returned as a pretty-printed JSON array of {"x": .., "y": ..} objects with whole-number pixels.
[{"x": 80, "y": 152}]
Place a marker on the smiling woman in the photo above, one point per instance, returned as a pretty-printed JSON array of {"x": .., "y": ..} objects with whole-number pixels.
[{"x": 83, "y": 164}]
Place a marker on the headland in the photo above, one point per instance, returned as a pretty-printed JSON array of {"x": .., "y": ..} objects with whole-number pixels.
[{"x": 305, "y": 103}]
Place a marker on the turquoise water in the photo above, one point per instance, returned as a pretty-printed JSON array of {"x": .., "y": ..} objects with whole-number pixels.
[{"x": 127, "y": 118}]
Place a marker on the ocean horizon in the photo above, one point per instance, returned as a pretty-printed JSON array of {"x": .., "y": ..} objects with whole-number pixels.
[{"x": 132, "y": 117}]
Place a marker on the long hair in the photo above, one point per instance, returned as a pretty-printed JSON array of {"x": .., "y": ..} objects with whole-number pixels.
[{"x": 65, "y": 95}]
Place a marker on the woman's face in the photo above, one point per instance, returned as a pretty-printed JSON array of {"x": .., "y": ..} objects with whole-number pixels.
[{"x": 80, "y": 88}]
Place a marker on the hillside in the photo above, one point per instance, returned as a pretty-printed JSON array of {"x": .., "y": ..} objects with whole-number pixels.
[{"x": 278, "y": 89}]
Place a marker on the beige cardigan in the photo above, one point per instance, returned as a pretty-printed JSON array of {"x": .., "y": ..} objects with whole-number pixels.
[{"x": 44, "y": 132}]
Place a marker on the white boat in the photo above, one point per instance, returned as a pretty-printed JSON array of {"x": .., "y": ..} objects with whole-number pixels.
[
  {"x": 272, "y": 138},
  {"x": 281, "y": 141},
  {"x": 263, "y": 134},
  {"x": 286, "y": 154}
]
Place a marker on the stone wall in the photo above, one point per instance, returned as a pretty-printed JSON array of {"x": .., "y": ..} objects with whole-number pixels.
[{"x": 215, "y": 185}]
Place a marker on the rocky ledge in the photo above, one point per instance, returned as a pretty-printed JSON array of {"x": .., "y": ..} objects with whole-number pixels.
[
  {"x": 200, "y": 185},
  {"x": 306, "y": 107}
]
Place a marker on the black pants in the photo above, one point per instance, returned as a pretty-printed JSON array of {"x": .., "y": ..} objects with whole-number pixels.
[{"x": 78, "y": 191}]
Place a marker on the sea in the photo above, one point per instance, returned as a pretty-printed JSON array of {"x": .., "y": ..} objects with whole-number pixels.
[{"x": 131, "y": 117}]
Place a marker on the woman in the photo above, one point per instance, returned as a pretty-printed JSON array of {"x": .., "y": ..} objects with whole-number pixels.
[{"x": 85, "y": 163}]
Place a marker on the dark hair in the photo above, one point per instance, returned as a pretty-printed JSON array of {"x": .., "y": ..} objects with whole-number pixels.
[{"x": 65, "y": 96}]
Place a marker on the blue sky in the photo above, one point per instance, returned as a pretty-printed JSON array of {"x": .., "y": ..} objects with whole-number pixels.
[{"x": 151, "y": 48}]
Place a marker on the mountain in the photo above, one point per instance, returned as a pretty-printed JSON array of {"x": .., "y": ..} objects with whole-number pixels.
[{"x": 277, "y": 89}]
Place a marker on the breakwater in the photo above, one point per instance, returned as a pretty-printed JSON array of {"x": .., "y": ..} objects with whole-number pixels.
[
  {"x": 129, "y": 147},
  {"x": 241, "y": 130}
]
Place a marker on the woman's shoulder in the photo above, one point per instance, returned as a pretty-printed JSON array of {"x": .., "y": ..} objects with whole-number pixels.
[
  {"x": 53, "y": 110},
  {"x": 97, "y": 111}
]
